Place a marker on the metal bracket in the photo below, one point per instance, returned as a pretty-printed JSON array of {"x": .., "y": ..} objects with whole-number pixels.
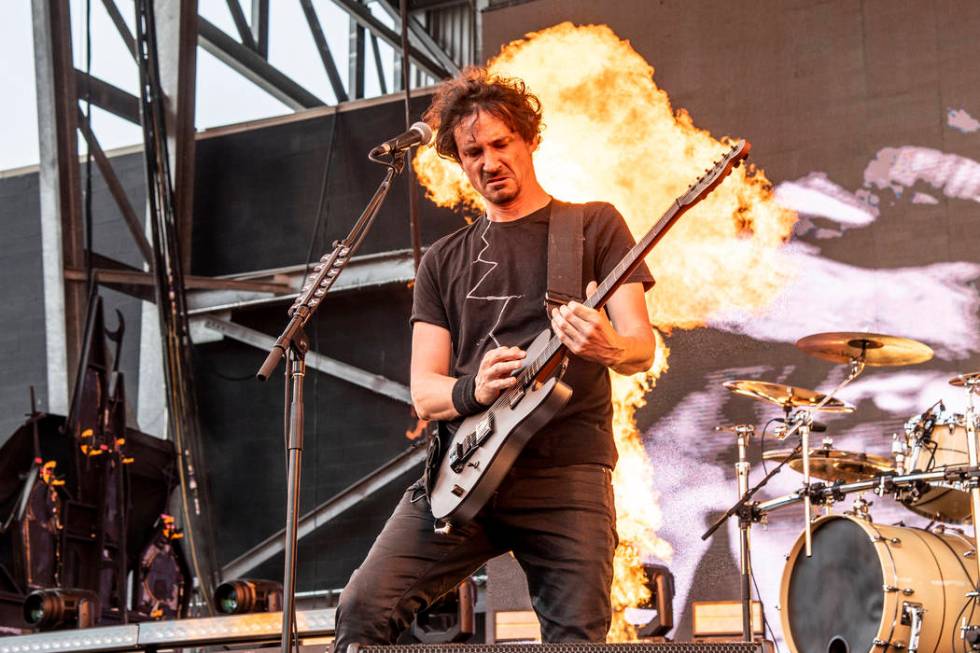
[{"x": 912, "y": 615}]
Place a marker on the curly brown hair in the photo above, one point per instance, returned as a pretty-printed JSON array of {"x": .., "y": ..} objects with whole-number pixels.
[{"x": 476, "y": 89}]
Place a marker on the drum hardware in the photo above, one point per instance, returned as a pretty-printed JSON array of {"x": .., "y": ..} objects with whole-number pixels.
[
  {"x": 912, "y": 617},
  {"x": 881, "y": 485},
  {"x": 971, "y": 380},
  {"x": 860, "y": 509},
  {"x": 971, "y": 635},
  {"x": 857, "y": 350},
  {"x": 743, "y": 434},
  {"x": 843, "y": 472},
  {"x": 787, "y": 397},
  {"x": 971, "y": 383},
  {"x": 886, "y": 579},
  {"x": 829, "y": 464},
  {"x": 748, "y": 513},
  {"x": 874, "y": 349}
]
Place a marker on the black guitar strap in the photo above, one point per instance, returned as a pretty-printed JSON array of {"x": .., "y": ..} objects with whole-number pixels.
[{"x": 565, "y": 250}]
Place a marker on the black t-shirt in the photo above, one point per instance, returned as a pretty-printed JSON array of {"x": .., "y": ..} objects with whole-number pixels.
[{"x": 486, "y": 282}]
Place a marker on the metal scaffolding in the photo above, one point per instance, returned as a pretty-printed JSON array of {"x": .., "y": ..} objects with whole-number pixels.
[{"x": 442, "y": 38}]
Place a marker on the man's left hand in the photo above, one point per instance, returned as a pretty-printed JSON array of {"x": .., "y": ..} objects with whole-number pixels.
[{"x": 588, "y": 333}]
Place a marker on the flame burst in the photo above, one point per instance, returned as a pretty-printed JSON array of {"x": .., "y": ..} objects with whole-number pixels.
[{"x": 611, "y": 134}]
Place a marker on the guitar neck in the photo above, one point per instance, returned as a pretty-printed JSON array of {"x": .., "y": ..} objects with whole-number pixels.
[{"x": 618, "y": 275}]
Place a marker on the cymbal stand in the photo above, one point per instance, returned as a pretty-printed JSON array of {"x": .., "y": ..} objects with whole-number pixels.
[
  {"x": 743, "y": 433},
  {"x": 801, "y": 423},
  {"x": 747, "y": 513}
]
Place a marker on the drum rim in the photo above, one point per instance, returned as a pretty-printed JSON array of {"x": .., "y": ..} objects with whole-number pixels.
[{"x": 890, "y": 604}]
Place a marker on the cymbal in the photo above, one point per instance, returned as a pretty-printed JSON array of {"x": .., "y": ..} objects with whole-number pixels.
[
  {"x": 786, "y": 396},
  {"x": 972, "y": 378},
  {"x": 874, "y": 349},
  {"x": 836, "y": 464}
]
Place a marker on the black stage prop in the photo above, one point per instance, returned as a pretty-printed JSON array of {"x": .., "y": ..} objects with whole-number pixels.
[{"x": 83, "y": 502}]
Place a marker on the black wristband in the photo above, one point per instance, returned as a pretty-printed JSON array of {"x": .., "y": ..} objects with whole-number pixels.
[{"x": 464, "y": 396}]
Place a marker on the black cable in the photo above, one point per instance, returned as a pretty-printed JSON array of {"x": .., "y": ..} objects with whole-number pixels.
[
  {"x": 953, "y": 631},
  {"x": 323, "y": 203},
  {"x": 762, "y": 444},
  {"x": 762, "y": 606},
  {"x": 413, "y": 200},
  {"x": 320, "y": 231}
]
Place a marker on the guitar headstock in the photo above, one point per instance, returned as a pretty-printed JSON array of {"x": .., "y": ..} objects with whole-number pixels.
[{"x": 716, "y": 173}]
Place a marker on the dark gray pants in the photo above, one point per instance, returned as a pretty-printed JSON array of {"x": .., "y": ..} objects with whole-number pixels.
[{"x": 560, "y": 523}]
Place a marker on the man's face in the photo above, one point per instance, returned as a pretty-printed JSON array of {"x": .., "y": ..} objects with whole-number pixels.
[{"x": 496, "y": 159}]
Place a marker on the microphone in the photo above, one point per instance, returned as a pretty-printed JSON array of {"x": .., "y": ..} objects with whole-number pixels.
[{"x": 418, "y": 134}]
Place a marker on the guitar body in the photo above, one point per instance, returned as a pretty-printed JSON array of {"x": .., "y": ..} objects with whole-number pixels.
[{"x": 458, "y": 494}]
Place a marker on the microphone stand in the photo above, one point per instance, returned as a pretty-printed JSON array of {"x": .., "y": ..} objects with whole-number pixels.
[{"x": 294, "y": 344}]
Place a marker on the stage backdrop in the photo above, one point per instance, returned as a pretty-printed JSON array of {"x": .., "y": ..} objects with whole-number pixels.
[{"x": 866, "y": 117}]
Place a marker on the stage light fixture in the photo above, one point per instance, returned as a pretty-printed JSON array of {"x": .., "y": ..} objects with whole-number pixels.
[
  {"x": 248, "y": 595},
  {"x": 50, "y": 608},
  {"x": 655, "y": 618},
  {"x": 450, "y": 619}
]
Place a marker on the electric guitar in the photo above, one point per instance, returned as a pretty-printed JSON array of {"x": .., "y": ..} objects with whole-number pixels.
[{"x": 485, "y": 446}]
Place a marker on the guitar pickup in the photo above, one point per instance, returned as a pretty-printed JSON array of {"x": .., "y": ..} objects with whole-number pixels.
[
  {"x": 467, "y": 446},
  {"x": 516, "y": 397},
  {"x": 484, "y": 429}
]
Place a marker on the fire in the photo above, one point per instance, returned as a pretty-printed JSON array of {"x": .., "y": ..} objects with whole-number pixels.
[{"x": 611, "y": 134}]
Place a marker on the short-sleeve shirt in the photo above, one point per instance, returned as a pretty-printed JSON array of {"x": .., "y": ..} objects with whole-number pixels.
[{"x": 485, "y": 284}]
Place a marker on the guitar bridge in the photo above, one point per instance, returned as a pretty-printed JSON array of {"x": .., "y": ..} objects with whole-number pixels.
[{"x": 466, "y": 447}]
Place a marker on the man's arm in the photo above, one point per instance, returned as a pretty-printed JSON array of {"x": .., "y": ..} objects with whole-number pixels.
[
  {"x": 626, "y": 344},
  {"x": 432, "y": 387}
]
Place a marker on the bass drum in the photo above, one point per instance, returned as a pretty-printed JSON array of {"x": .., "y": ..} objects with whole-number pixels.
[{"x": 858, "y": 591}]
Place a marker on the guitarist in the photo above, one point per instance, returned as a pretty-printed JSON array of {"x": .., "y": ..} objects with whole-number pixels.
[{"x": 478, "y": 302}]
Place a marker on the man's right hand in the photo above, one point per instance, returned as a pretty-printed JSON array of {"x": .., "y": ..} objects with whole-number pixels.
[{"x": 496, "y": 373}]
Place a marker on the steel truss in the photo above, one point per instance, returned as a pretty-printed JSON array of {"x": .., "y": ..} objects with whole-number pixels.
[
  {"x": 61, "y": 87},
  {"x": 62, "y": 91}
]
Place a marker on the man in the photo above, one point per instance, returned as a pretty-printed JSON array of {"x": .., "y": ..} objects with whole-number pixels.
[{"x": 478, "y": 303}]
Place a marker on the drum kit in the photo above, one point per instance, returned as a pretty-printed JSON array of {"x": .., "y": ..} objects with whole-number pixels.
[{"x": 851, "y": 584}]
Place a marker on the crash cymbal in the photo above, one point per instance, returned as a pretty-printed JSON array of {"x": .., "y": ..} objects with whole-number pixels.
[
  {"x": 872, "y": 348},
  {"x": 786, "y": 396},
  {"x": 836, "y": 464},
  {"x": 972, "y": 378}
]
